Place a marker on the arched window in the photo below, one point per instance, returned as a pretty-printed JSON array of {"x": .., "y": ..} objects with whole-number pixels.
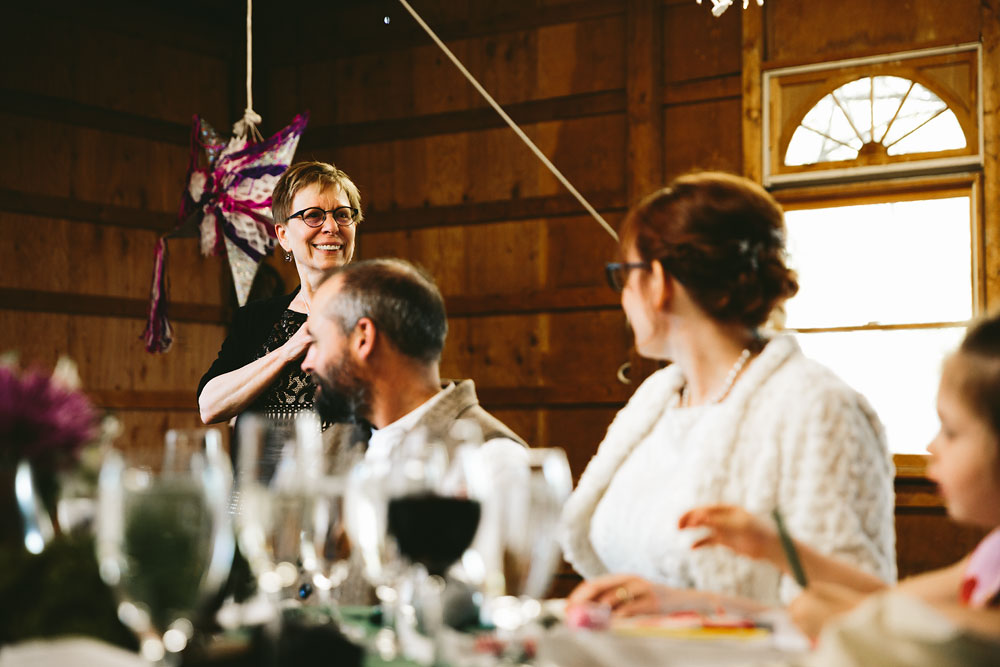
[
  {"x": 878, "y": 115},
  {"x": 848, "y": 121}
]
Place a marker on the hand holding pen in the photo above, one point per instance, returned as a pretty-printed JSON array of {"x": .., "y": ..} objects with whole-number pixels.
[{"x": 746, "y": 534}]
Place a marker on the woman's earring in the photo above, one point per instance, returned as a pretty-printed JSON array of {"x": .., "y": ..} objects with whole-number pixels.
[{"x": 288, "y": 256}]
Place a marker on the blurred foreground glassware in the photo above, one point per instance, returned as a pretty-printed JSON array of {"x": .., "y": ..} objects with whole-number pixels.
[
  {"x": 164, "y": 540},
  {"x": 523, "y": 525},
  {"x": 436, "y": 496},
  {"x": 289, "y": 507}
]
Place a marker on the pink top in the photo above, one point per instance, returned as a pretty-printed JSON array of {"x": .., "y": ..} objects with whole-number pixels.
[{"x": 981, "y": 581}]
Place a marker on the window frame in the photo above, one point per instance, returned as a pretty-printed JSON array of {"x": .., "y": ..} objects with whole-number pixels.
[
  {"x": 909, "y": 189},
  {"x": 912, "y": 189},
  {"x": 834, "y": 74}
]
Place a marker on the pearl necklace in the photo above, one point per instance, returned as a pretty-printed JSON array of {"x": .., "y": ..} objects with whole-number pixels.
[{"x": 726, "y": 386}]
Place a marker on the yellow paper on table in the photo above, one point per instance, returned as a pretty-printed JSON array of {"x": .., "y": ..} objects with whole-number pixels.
[{"x": 690, "y": 625}]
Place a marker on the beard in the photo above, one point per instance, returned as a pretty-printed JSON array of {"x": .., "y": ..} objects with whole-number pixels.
[{"x": 343, "y": 397}]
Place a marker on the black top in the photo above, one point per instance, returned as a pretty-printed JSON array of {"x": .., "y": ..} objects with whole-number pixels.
[{"x": 257, "y": 329}]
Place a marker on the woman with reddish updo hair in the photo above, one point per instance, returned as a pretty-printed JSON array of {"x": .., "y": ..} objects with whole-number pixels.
[{"x": 738, "y": 417}]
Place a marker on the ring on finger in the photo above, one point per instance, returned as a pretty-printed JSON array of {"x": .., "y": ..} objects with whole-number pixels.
[{"x": 623, "y": 594}]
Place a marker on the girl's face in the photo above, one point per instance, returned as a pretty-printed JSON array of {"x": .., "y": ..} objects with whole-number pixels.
[{"x": 965, "y": 454}]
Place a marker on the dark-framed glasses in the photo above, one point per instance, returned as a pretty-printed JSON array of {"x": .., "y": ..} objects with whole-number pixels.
[
  {"x": 617, "y": 272},
  {"x": 314, "y": 216}
]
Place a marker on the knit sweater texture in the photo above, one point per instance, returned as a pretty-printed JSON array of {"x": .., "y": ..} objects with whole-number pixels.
[{"x": 790, "y": 434}]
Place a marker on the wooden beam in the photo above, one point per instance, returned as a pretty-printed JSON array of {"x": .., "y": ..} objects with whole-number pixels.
[
  {"x": 369, "y": 34},
  {"x": 64, "y": 208},
  {"x": 68, "y": 112},
  {"x": 578, "y": 396},
  {"x": 528, "y": 208},
  {"x": 990, "y": 13},
  {"x": 753, "y": 55},
  {"x": 67, "y": 303},
  {"x": 124, "y": 399},
  {"x": 536, "y": 301},
  {"x": 644, "y": 95},
  {"x": 472, "y": 120},
  {"x": 728, "y": 87},
  {"x": 645, "y": 160},
  {"x": 168, "y": 23}
]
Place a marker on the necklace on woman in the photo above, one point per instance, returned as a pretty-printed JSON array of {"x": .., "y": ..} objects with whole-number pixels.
[{"x": 726, "y": 386}]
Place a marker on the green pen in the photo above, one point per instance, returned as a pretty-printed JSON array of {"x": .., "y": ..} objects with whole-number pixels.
[{"x": 791, "y": 553}]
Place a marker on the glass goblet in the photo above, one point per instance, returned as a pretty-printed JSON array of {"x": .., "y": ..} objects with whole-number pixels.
[
  {"x": 524, "y": 517},
  {"x": 164, "y": 542},
  {"x": 278, "y": 497}
]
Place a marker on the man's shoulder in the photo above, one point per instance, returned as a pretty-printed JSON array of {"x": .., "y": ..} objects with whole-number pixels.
[{"x": 461, "y": 402}]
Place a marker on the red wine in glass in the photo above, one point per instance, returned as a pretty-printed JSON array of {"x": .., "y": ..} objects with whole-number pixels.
[{"x": 433, "y": 530}]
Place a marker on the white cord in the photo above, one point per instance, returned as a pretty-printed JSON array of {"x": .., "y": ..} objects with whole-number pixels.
[
  {"x": 248, "y": 124},
  {"x": 503, "y": 114}
]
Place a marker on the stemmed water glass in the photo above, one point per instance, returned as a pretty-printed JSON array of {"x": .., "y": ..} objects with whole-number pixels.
[
  {"x": 288, "y": 507},
  {"x": 164, "y": 542},
  {"x": 521, "y": 531}
]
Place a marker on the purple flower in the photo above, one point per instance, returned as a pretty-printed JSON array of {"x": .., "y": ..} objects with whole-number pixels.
[{"x": 41, "y": 420}]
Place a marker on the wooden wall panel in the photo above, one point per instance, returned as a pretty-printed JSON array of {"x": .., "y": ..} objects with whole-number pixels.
[
  {"x": 704, "y": 135},
  {"x": 89, "y": 62},
  {"x": 486, "y": 166},
  {"x": 514, "y": 67},
  {"x": 82, "y": 258},
  {"x": 799, "y": 33},
  {"x": 559, "y": 352},
  {"x": 927, "y": 540},
  {"x": 90, "y": 165},
  {"x": 502, "y": 257},
  {"x": 109, "y": 352},
  {"x": 697, "y": 45},
  {"x": 578, "y": 430},
  {"x": 94, "y": 134}
]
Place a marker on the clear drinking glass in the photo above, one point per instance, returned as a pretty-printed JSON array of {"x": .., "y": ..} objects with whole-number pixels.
[
  {"x": 287, "y": 507},
  {"x": 522, "y": 527},
  {"x": 164, "y": 541}
]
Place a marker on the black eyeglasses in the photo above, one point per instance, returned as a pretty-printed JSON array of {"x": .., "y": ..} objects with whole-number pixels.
[
  {"x": 314, "y": 216},
  {"x": 617, "y": 272}
]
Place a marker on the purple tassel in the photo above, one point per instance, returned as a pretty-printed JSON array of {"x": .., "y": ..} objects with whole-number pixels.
[{"x": 159, "y": 335}]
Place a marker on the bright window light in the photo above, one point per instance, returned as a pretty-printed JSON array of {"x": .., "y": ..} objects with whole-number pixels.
[{"x": 888, "y": 270}]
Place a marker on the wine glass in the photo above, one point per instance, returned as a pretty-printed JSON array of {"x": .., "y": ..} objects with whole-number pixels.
[
  {"x": 433, "y": 513},
  {"x": 365, "y": 515},
  {"x": 164, "y": 542},
  {"x": 285, "y": 504},
  {"x": 522, "y": 527}
]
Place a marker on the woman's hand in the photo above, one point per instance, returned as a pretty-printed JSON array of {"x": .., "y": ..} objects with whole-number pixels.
[
  {"x": 626, "y": 594},
  {"x": 296, "y": 346},
  {"x": 736, "y": 528},
  {"x": 820, "y": 603}
]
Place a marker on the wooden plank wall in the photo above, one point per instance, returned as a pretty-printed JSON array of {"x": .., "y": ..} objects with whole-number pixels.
[{"x": 95, "y": 112}]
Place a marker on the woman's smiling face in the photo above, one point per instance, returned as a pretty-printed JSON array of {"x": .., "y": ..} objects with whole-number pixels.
[{"x": 323, "y": 248}]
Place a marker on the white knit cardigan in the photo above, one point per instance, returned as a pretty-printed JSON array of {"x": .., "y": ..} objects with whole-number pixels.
[{"x": 790, "y": 434}]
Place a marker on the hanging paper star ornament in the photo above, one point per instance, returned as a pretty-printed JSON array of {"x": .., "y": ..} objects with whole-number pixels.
[{"x": 227, "y": 202}]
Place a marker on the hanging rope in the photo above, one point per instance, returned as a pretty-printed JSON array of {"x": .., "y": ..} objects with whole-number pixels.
[
  {"x": 503, "y": 114},
  {"x": 246, "y": 127}
]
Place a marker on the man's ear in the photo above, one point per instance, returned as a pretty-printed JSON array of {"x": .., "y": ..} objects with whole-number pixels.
[{"x": 363, "y": 338}]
